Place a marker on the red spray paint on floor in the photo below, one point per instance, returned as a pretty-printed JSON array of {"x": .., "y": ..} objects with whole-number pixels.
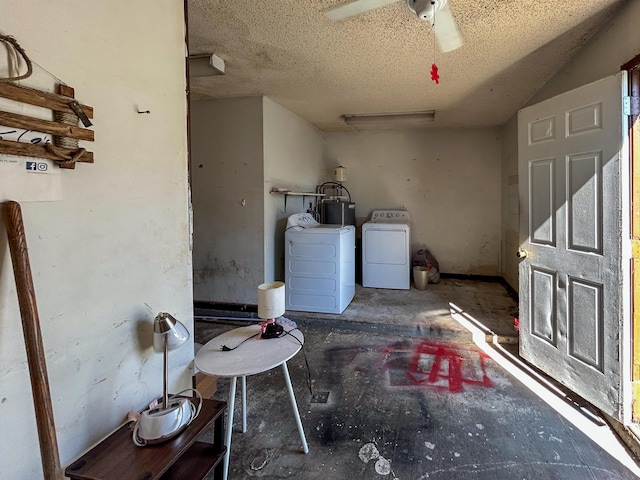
[{"x": 441, "y": 366}]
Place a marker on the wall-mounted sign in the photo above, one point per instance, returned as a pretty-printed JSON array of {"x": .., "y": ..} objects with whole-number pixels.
[
  {"x": 24, "y": 179},
  {"x": 34, "y": 148}
]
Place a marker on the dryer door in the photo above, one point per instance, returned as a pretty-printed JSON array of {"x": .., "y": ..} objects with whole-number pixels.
[
  {"x": 385, "y": 246},
  {"x": 385, "y": 257}
]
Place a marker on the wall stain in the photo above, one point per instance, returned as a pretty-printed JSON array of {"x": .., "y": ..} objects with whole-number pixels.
[{"x": 215, "y": 268}]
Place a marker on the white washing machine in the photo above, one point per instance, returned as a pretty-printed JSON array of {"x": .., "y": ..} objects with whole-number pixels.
[
  {"x": 386, "y": 259},
  {"x": 319, "y": 265}
]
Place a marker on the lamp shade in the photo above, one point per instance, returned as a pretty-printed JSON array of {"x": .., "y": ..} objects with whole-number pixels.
[
  {"x": 166, "y": 326},
  {"x": 271, "y": 300}
]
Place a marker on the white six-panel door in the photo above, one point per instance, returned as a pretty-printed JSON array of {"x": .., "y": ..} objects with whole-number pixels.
[{"x": 571, "y": 279}]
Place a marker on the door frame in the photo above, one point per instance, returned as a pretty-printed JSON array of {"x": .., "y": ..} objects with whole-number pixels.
[{"x": 632, "y": 356}]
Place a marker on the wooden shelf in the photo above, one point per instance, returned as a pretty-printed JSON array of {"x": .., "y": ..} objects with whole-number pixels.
[
  {"x": 288, "y": 193},
  {"x": 197, "y": 462},
  {"x": 118, "y": 458},
  {"x": 298, "y": 194}
]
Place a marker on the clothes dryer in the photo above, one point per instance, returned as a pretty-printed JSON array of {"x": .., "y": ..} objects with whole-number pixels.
[
  {"x": 386, "y": 258},
  {"x": 319, "y": 265}
]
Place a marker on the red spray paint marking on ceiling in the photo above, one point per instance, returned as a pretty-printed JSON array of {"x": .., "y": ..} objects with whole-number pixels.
[{"x": 434, "y": 73}]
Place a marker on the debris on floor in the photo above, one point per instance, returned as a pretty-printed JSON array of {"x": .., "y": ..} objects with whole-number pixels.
[{"x": 393, "y": 402}]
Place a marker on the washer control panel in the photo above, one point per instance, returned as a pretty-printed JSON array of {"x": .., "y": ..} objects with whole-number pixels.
[{"x": 390, "y": 216}]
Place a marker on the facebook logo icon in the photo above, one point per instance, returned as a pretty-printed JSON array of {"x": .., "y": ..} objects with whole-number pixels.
[{"x": 37, "y": 166}]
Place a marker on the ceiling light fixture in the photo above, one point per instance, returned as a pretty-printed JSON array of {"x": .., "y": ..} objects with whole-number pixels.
[
  {"x": 205, "y": 65},
  {"x": 389, "y": 118}
]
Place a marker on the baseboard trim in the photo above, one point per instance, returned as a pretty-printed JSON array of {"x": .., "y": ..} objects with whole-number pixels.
[
  {"x": 227, "y": 307},
  {"x": 249, "y": 308},
  {"x": 484, "y": 278}
]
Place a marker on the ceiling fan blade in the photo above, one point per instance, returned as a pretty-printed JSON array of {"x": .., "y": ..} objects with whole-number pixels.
[
  {"x": 355, "y": 7},
  {"x": 446, "y": 30}
]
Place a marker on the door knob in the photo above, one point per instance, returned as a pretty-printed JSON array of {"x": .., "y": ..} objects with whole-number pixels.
[{"x": 522, "y": 253}]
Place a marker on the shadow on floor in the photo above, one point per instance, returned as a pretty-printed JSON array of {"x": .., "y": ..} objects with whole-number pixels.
[{"x": 409, "y": 395}]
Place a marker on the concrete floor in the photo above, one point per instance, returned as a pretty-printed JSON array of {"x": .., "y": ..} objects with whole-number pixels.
[{"x": 412, "y": 394}]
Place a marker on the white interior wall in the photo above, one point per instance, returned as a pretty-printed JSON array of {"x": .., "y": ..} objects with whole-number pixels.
[
  {"x": 510, "y": 203},
  {"x": 228, "y": 199},
  {"x": 293, "y": 159},
  {"x": 448, "y": 181},
  {"x": 617, "y": 42},
  {"x": 115, "y": 250}
]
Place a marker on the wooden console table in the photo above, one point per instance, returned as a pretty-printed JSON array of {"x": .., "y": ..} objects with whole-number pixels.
[{"x": 118, "y": 458}]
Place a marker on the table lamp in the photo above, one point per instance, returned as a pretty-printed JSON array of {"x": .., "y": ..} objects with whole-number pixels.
[
  {"x": 168, "y": 335},
  {"x": 270, "y": 306},
  {"x": 160, "y": 423}
]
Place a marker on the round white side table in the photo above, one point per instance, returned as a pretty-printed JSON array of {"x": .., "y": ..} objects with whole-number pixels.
[{"x": 252, "y": 356}]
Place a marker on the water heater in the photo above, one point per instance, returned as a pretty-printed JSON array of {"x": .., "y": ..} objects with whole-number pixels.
[{"x": 338, "y": 212}]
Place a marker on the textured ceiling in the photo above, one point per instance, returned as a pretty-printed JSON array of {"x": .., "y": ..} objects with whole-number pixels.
[{"x": 380, "y": 61}]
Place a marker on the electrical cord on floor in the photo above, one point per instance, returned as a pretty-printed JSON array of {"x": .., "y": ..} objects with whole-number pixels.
[{"x": 305, "y": 358}]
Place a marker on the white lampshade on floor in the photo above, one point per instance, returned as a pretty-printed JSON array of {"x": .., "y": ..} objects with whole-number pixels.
[{"x": 271, "y": 300}]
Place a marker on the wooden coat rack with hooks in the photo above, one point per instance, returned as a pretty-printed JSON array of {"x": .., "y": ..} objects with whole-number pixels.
[{"x": 64, "y": 129}]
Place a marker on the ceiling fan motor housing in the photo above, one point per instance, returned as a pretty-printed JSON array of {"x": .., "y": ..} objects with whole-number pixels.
[{"x": 425, "y": 9}]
